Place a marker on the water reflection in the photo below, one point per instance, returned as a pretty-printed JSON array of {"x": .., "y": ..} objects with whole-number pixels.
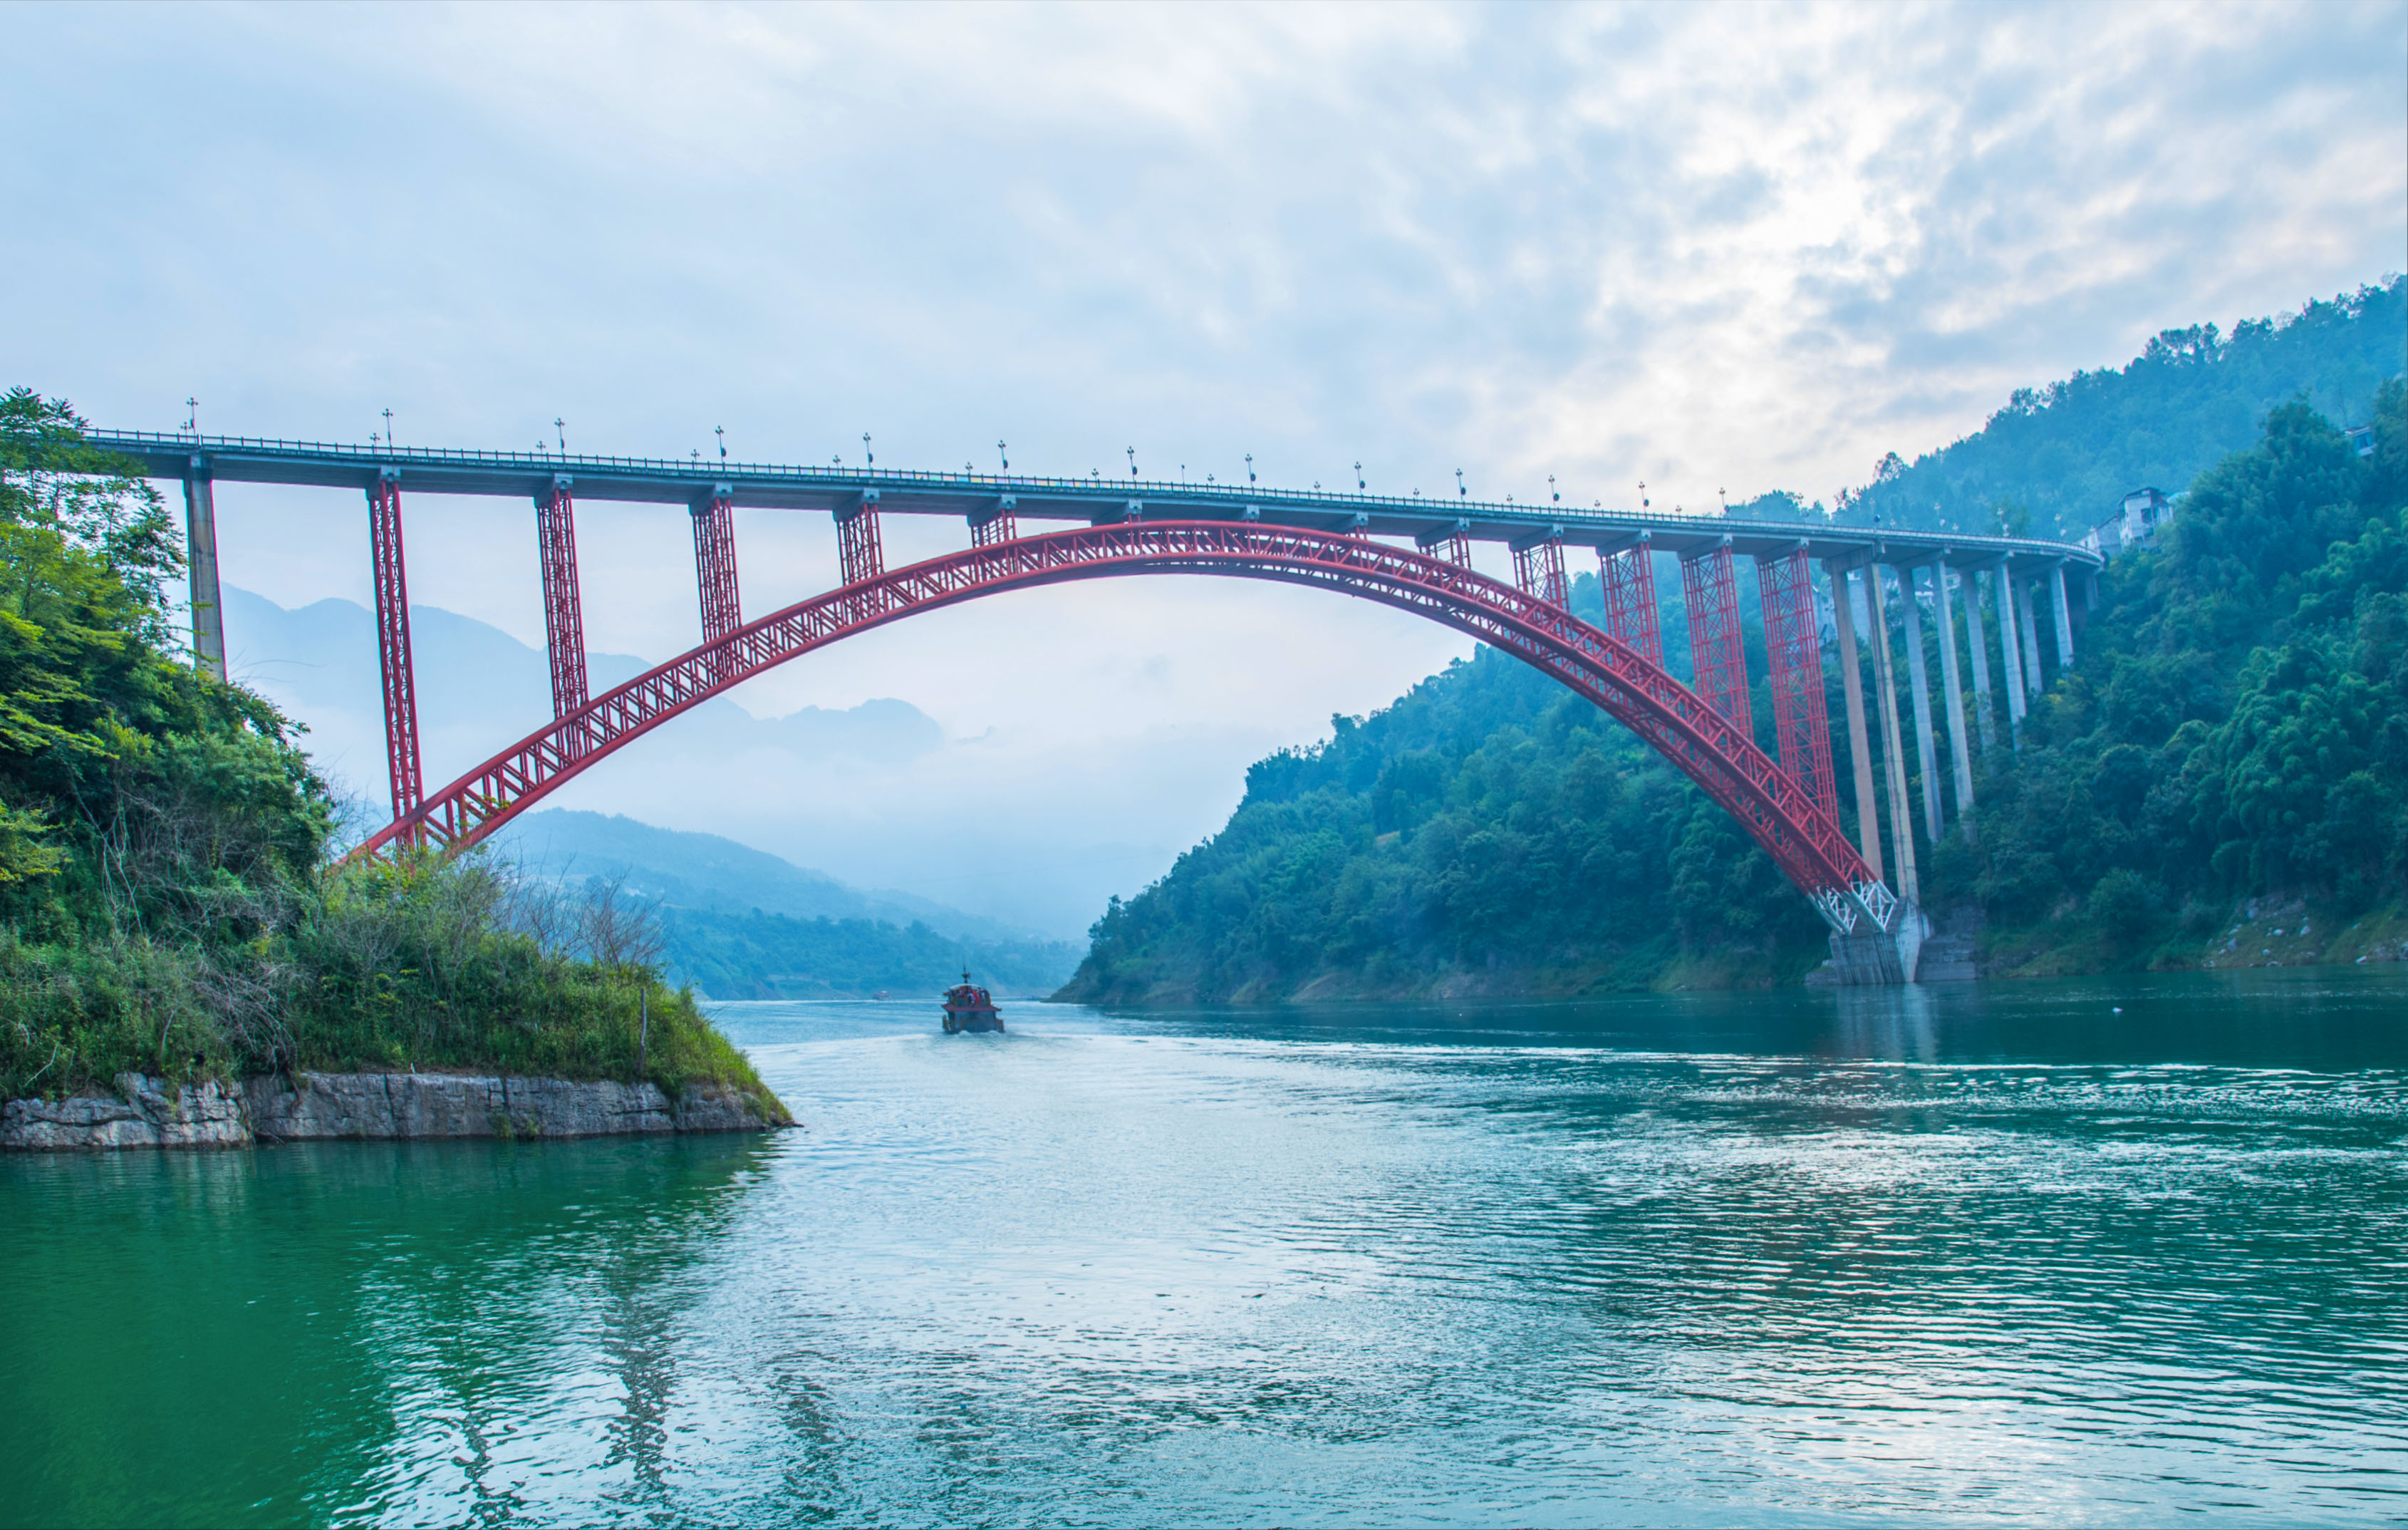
[{"x": 1664, "y": 1259}]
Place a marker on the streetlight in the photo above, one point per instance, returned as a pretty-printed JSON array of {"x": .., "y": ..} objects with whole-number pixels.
[
  {"x": 721, "y": 431},
  {"x": 388, "y": 428},
  {"x": 1551, "y": 490},
  {"x": 557, "y": 425},
  {"x": 1005, "y": 454},
  {"x": 1643, "y": 493},
  {"x": 1360, "y": 485},
  {"x": 866, "y": 451},
  {"x": 1458, "y": 484},
  {"x": 1132, "y": 456},
  {"x": 1249, "y": 467},
  {"x": 193, "y": 415}
]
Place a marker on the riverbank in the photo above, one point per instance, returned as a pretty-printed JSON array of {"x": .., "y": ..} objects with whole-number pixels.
[{"x": 143, "y": 1111}]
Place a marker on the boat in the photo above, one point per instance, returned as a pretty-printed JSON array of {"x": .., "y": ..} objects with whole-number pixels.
[{"x": 968, "y": 1007}]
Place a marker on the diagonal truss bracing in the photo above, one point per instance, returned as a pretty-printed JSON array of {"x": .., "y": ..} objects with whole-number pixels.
[
  {"x": 563, "y": 616},
  {"x": 714, "y": 567},
  {"x": 1717, "y": 752},
  {"x": 861, "y": 553},
  {"x": 1538, "y": 570},
  {"x": 392, "y": 643},
  {"x": 1716, "y": 651},
  {"x": 1631, "y": 611},
  {"x": 1795, "y": 642}
]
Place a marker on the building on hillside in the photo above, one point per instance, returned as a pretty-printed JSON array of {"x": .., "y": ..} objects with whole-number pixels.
[
  {"x": 2361, "y": 436},
  {"x": 2135, "y": 521}
]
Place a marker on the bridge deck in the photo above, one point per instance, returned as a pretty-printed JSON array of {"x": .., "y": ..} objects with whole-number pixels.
[{"x": 1093, "y": 501}]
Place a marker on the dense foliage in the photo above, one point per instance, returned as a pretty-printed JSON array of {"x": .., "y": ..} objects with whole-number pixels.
[
  {"x": 165, "y": 901},
  {"x": 2236, "y": 723},
  {"x": 2056, "y": 460}
]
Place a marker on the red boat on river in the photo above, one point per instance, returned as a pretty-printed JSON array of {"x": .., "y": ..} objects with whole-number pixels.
[{"x": 968, "y": 1007}]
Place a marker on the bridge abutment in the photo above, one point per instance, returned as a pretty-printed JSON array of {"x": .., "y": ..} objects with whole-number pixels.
[{"x": 1870, "y": 957}]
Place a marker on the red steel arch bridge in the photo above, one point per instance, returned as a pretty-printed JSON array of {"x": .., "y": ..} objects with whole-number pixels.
[{"x": 1413, "y": 554}]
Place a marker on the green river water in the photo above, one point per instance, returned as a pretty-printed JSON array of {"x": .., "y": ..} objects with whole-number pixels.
[{"x": 1963, "y": 1253}]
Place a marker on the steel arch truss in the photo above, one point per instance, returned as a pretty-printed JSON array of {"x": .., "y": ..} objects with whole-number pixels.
[{"x": 1709, "y": 748}]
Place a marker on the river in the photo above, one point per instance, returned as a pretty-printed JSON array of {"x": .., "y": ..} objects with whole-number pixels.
[{"x": 1968, "y": 1254}]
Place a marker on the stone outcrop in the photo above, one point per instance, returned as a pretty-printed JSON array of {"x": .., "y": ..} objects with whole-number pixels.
[
  {"x": 316, "y": 1106},
  {"x": 142, "y": 1114}
]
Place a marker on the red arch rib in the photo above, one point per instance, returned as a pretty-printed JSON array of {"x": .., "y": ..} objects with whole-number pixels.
[{"x": 1719, "y": 756}]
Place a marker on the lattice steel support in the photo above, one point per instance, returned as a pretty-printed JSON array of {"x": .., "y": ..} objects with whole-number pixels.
[
  {"x": 859, "y": 553},
  {"x": 1538, "y": 569},
  {"x": 999, "y": 524},
  {"x": 1452, "y": 543},
  {"x": 1630, "y": 610},
  {"x": 1791, "y": 640},
  {"x": 1714, "y": 646},
  {"x": 392, "y": 641},
  {"x": 714, "y": 566},
  {"x": 564, "y": 615}
]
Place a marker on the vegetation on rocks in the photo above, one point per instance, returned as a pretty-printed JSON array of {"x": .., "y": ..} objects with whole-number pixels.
[{"x": 169, "y": 904}]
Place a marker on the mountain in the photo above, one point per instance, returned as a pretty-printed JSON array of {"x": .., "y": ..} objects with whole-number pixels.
[
  {"x": 877, "y": 794},
  {"x": 480, "y": 689},
  {"x": 712, "y": 874},
  {"x": 743, "y": 924}
]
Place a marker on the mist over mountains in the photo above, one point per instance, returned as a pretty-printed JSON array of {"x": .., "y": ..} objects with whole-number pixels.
[{"x": 875, "y": 795}]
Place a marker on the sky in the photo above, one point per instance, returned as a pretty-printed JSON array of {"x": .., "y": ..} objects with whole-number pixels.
[{"x": 1714, "y": 248}]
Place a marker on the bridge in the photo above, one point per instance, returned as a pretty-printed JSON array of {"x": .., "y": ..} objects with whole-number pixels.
[{"x": 1412, "y": 553}]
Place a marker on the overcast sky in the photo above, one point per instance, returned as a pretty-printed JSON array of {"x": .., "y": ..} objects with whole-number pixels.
[{"x": 1710, "y": 246}]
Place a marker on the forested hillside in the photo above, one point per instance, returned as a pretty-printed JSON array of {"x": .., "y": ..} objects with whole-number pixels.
[
  {"x": 2055, "y": 461},
  {"x": 167, "y": 905},
  {"x": 2237, "y": 731},
  {"x": 2234, "y": 734}
]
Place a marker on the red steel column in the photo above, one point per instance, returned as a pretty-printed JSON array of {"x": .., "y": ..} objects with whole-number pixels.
[
  {"x": 1795, "y": 647},
  {"x": 1631, "y": 611},
  {"x": 393, "y": 640},
  {"x": 1002, "y": 525},
  {"x": 1539, "y": 568},
  {"x": 1714, "y": 646},
  {"x": 1456, "y": 539},
  {"x": 714, "y": 565},
  {"x": 859, "y": 554},
  {"x": 563, "y": 616}
]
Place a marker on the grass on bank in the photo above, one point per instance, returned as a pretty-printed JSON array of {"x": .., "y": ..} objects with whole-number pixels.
[{"x": 419, "y": 966}]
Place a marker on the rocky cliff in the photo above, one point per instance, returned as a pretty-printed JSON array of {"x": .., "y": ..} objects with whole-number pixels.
[{"x": 145, "y": 1112}]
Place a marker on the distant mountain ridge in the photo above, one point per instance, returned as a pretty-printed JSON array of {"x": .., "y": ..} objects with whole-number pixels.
[
  {"x": 714, "y": 874},
  {"x": 480, "y": 689},
  {"x": 741, "y": 923}
]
